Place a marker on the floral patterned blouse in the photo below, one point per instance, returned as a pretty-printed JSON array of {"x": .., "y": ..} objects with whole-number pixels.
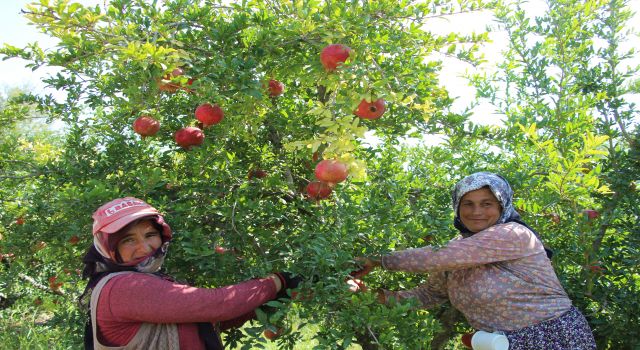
[{"x": 499, "y": 278}]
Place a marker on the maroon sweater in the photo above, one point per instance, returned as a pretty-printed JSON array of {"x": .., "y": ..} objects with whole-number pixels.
[{"x": 129, "y": 300}]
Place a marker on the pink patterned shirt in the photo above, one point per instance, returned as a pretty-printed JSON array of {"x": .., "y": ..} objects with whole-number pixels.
[{"x": 499, "y": 278}]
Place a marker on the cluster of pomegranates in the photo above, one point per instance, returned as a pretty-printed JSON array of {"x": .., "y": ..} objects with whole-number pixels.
[
  {"x": 331, "y": 57},
  {"x": 328, "y": 172},
  {"x": 207, "y": 114}
]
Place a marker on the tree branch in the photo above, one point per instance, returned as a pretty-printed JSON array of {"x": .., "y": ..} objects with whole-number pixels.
[{"x": 38, "y": 285}]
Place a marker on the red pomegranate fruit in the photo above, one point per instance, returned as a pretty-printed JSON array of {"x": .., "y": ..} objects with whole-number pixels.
[{"x": 188, "y": 137}]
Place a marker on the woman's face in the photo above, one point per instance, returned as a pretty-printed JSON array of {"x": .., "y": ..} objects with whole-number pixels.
[
  {"x": 479, "y": 210},
  {"x": 139, "y": 241}
]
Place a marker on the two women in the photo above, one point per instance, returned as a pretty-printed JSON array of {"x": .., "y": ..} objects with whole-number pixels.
[{"x": 498, "y": 274}]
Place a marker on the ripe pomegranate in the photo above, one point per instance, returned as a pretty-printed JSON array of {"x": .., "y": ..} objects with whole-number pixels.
[
  {"x": 591, "y": 214},
  {"x": 20, "y": 221},
  {"x": 256, "y": 173},
  {"x": 333, "y": 55},
  {"x": 221, "y": 249},
  {"x": 597, "y": 269},
  {"x": 209, "y": 114},
  {"x": 146, "y": 126},
  {"x": 331, "y": 171},
  {"x": 74, "y": 240},
  {"x": 55, "y": 286},
  {"x": 466, "y": 340},
  {"x": 188, "y": 137},
  {"x": 318, "y": 190},
  {"x": 275, "y": 88},
  {"x": 271, "y": 335},
  {"x": 370, "y": 110}
]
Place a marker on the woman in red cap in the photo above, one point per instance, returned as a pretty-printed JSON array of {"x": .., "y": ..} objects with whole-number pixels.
[{"x": 134, "y": 306}]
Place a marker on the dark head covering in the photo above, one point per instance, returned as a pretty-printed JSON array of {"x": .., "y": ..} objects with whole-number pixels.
[{"x": 500, "y": 188}]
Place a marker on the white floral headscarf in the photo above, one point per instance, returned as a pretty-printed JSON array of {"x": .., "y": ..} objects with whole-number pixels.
[{"x": 500, "y": 188}]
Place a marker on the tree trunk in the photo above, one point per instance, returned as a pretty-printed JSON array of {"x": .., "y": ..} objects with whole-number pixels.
[{"x": 448, "y": 317}]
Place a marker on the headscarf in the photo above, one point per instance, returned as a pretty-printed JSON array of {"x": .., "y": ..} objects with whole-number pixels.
[
  {"x": 501, "y": 189},
  {"x": 115, "y": 215}
]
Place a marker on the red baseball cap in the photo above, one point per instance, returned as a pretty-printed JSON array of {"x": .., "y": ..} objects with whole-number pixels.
[{"x": 116, "y": 214}]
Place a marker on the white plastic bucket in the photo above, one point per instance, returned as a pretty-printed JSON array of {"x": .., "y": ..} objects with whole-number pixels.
[{"x": 482, "y": 340}]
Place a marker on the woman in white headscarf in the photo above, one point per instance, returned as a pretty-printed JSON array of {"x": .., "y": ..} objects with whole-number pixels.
[{"x": 498, "y": 274}]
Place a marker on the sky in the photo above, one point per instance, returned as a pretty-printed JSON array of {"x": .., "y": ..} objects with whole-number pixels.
[{"x": 14, "y": 30}]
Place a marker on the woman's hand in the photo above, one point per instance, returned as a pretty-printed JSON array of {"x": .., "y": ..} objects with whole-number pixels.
[
  {"x": 289, "y": 281},
  {"x": 367, "y": 263},
  {"x": 380, "y": 296},
  {"x": 356, "y": 285},
  {"x": 276, "y": 280}
]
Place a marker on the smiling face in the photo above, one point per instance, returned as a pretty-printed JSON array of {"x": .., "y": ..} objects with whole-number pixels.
[
  {"x": 479, "y": 210},
  {"x": 139, "y": 241}
]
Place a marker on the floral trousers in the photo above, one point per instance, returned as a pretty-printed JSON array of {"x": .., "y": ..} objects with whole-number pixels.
[{"x": 567, "y": 332}]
